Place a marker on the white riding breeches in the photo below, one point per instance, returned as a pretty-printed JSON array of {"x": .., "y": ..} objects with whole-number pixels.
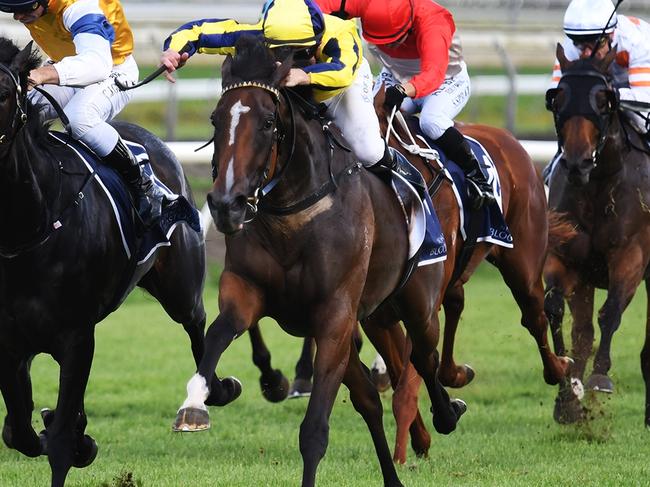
[
  {"x": 353, "y": 112},
  {"x": 89, "y": 108},
  {"x": 437, "y": 110}
]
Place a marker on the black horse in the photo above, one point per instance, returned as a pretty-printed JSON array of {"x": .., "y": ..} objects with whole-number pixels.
[
  {"x": 601, "y": 185},
  {"x": 326, "y": 247},
  {"x": 63, "y": 268}
]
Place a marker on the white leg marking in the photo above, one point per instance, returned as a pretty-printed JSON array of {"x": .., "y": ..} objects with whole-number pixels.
[
  {"x": 197, "y": 393},
  {"x": 235, "y": 112},
  {"x": 379, "y": 365}
]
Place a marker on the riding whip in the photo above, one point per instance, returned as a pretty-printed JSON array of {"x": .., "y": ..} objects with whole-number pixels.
[{"x": 152, "y": 76}]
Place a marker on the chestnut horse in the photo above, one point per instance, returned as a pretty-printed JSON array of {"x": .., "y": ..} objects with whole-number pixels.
[
  {"x": 63, "y": 268},
  {"x": 323, "y": 245},
  {"x": 602, "y": 187},
  {"x": 524, "y": 210}
]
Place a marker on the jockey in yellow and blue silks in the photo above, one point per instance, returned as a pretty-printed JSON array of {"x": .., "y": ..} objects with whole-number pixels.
[
  {"x": 89, "y": 44},
  {"x": 339, "y": 75}
]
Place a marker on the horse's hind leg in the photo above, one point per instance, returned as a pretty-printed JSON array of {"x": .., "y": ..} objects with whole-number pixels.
[
  {"x": 67, "y": 446},
  {"x": 301, "y": 385},
  {"x": 521, "y": 268},
  {"x": 274, "y": 385},
  {"x": 645, "y": 356},
  {"x": 365, "y": 398},
  {"x": 453, "y": 375},
  {"x": 17, "y": 431}
]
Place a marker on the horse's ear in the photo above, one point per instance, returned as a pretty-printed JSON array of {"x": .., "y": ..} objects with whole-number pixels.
[
  {"x": 281, "y": 71},
  {"x": 20, "y": 63},
  {"x": 608, "y": 59},
  {"x": 561, "y": 57},
  {"x": 225, "y": 71}
]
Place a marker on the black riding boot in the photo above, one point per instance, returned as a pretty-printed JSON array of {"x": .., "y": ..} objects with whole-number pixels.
[
  {"x": 457, "y": 149},
  {"x": 384, "y": 167},
  {"x": 147, "y": 197}
]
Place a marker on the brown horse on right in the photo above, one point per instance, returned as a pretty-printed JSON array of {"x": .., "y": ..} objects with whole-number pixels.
[
  {"x": 602, "y": 186},
  {"x": 525, "y": 212}
]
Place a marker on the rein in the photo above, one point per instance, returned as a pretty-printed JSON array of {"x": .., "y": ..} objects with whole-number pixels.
[{"x": 19, "y": 117}]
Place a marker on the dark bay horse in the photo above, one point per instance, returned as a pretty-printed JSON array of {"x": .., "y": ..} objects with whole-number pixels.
[
  {"x": 62, "y": 268},
  {"x": 525, "y": 212},
  {"x": 601, "y": 185},
  {"x": 325, "y": 247}
]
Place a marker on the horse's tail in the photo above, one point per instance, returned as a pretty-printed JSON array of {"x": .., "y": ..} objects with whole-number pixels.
[{"x": 560, "y": 229}]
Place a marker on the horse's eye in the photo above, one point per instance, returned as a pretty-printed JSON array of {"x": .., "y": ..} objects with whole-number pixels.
[
  {"x": 269, "y": 123},
  {"x": 4, "y": 95}
]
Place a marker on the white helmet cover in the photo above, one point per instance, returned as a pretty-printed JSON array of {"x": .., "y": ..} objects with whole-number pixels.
[{"x": 588, "y": 17}]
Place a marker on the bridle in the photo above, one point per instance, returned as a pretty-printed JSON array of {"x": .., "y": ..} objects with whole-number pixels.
[
  {"x": 574, "y": 83},
  {"x": 271, "y": 175},
  {"x": 19, "y": 117},
  {"x": 269, "y": 179}
]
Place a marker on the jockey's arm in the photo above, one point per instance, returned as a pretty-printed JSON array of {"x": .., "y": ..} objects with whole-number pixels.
[
  {"x": 433, "y": 38},
  {"x": 205, "y": 36},
  {"x": 638, "y": 76},
  {"x": 92, "y": 35},
  {"x": 338, "y": 57}
]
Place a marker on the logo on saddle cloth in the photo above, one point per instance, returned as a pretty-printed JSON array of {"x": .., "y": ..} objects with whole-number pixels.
[
  {"x": 179, "y": 210},
  {"x": 493, "y": 227}
]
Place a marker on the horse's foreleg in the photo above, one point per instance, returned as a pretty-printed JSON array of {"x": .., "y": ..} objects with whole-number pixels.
[
  {"x": 365, "y": 398},
  {"x": 241, "y": 305},
  {"x": 301, "y": 386},
  {"x": 452, "y": 375},
  {"x": 17, "y": 431},
  {"x": 67, "y": 446},
  {"x": 274, "y": 385},
  {"x": 645, "y": 356},
  {"x": 333, "y": 342},
  {"x": 625, "y": 273}
]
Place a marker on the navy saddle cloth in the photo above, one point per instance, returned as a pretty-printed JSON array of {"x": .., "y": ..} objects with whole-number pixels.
[
  {"x": 174, "y": 212},
  {"x": 493, "y": 228}
]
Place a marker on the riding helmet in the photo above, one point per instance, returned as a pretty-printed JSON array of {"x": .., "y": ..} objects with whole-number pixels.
[
  {"x": 387, "y": 21},
  {"x": 13, "y": 6},
  {"x": 588, "y": 18},
  {"x": 292, "y": 23}
]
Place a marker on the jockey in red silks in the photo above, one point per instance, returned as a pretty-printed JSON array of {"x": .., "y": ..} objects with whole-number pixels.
[{"x": 423, "y": 68}]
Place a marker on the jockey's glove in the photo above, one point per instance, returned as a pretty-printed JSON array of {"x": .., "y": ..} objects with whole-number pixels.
[{"x": 394, "y": 97}]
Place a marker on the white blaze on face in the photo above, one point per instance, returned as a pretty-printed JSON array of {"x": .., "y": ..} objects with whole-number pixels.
[{"x": 235, "y": 112}]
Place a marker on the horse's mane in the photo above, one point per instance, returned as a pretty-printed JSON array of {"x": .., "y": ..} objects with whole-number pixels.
[
  {"x": 253, "y": 61},
  {"x": 36, "y": 126}
]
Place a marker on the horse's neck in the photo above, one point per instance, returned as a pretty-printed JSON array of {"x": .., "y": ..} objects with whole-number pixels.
[{"x": 26, "y": 179}]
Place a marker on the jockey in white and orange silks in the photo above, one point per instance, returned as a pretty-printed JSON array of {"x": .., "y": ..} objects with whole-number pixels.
[
  {"x": 423, "y": 68},
  {"x": 584, "y": 21},
  {"x": 340, "y": 76}
]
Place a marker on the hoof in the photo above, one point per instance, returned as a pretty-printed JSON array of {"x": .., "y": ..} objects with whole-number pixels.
[
  {"x": 230, "y": 389},
  {"x": 568, "y": 409},
  {"x": 191, "y": 419},
  {"x": 6, "y": 435},
  {"x": 47, "y": 415},
  {"x": 86, "y": 454},
  {"x": 600, "y": 383},
  {"x": 276, "y": 389},
  {"x": 300, "y": 388},
  {"x": 446, "y": 425},
  {"x": 461, "y": 376},
  {"x": 381, "y": 380}
]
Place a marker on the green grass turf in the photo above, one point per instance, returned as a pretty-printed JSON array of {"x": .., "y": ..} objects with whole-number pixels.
[{"x": 507, "y": 437}]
